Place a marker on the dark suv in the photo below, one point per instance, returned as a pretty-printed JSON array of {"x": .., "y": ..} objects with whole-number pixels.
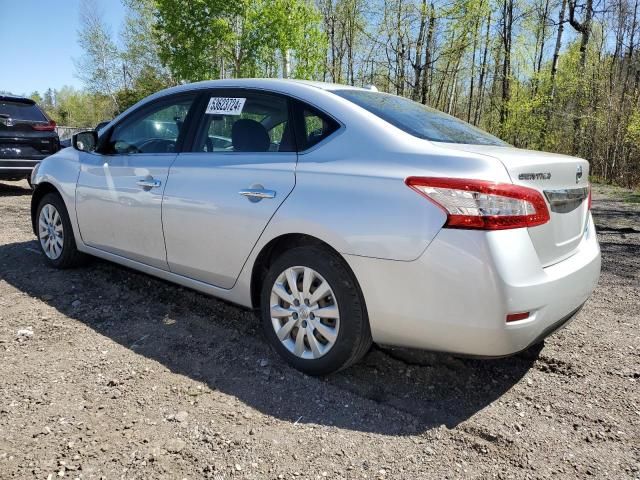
[{"x": 27, "y": 136}]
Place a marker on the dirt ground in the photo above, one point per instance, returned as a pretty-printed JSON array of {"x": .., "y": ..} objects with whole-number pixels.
[{"x": 108, "y": 373}]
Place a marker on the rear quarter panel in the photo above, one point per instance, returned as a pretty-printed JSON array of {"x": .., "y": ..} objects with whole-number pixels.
[{"x": 350, "y": 192}]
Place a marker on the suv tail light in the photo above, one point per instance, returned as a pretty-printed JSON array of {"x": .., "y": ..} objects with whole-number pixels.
[
  {"x": 482, "y": 205},
  {"x": 589, "y": 204},
  {"x": 44, "y": 127}
]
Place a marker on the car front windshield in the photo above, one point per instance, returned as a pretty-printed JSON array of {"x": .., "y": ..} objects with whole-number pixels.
[{"x": 417, "y": 119}]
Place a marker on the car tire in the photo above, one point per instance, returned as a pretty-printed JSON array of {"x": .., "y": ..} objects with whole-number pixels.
[
  {"x": 332, "y": 291},
  {"x": 52, "y": 222}
]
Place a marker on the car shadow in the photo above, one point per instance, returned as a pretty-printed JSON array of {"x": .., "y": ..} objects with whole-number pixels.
[
  {"x": 391, "y": 391},
  {"x": 14, "y": 189}
]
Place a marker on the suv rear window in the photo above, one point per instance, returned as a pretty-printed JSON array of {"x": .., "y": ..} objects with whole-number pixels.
[
  {"x": 21, "y": 111},
  {"x": 417, "y": 119}
]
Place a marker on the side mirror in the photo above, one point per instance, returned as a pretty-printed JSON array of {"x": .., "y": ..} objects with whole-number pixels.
[{"x": 85, "y": 141}]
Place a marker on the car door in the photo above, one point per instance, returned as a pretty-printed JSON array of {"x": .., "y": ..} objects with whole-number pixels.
[
  {"x": 119, "y": 190},
  {"x": 221, "y": 195}
]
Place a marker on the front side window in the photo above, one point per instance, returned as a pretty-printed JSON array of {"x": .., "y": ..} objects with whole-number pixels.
[
  {"x": 155, "y": 131},
  {"x": 241, "y": 121},
  {"x": 417, "y": 119}
]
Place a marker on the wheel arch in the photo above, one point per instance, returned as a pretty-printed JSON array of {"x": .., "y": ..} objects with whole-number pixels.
[
  {"x": 39, "y": 192},
  {"x": 278, "y": 245}
]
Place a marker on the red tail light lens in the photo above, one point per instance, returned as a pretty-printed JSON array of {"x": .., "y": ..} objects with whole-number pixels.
[
  {"x": 45, "y": 127},
  {"x": 589, "y": 204},
  {"x": 482, "y": 205},
  {"x": 514, "y": 317}
]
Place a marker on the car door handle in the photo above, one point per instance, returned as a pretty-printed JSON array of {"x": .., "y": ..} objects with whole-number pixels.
[
  {"x": 257, "y": 194},
  {"x": 149, "y": 183}
]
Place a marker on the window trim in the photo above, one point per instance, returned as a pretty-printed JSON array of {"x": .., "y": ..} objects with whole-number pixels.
[
  {"x": 105, "y": 139},
  {"x": 200, "y": 125}
]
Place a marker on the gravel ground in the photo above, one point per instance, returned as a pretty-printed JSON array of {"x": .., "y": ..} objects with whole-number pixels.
[{"x": 108, "y": 373}]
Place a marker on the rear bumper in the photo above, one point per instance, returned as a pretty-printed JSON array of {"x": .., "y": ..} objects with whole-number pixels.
[
  {"x": 457, "y": 295},
  {"x": 17, "y": 168}
]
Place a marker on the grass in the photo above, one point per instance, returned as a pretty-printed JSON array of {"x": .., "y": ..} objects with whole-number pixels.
[{"x": 627, "y": 195}]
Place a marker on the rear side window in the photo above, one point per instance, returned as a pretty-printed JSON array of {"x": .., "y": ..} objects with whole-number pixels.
[
  {"x": 245, "y": 121},
  {"x": 417, "y": 119},
  {"x": 317, "y": 126},
  {"x": 21, "y": 111}
]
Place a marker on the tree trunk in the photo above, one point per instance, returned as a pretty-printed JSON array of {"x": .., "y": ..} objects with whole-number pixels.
[
  {"x": 483, "y": 72},
  {"x": 507, "y": 31},
  {"x": 428, "y": 55}
]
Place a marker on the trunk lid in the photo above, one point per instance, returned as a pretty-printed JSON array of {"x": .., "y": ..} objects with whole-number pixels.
[{"x": 564, "y": 183}]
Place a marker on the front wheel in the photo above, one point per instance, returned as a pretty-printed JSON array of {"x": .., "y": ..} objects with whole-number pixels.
[
  {"x": 55, "y": 233},
  {"x": 313, "y": 312}
]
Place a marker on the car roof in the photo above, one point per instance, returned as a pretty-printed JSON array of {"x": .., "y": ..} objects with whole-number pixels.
[{"x": 280, "y": 84}]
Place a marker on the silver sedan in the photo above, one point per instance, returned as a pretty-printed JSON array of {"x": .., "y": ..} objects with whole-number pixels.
[{"x": 344, "y": 215}]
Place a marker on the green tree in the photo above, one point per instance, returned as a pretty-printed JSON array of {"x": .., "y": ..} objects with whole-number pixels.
[
  {"x": 101, "y": 67},
  {"x": 207, "y": 39},
  {"x": 192, "y": 36}
]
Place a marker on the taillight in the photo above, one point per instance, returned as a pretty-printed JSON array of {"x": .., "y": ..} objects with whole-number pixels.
[
  {"x": 44, "y": 127},
  {"x": 483, "y": 205},
  {"x": 589, "y": 201}
]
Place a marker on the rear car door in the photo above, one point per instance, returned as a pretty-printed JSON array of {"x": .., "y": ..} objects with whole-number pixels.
[
  {"x": 221, "y": 195},
  {"x": 26, "y": 136},
  {"x": 120, "y": 187}
]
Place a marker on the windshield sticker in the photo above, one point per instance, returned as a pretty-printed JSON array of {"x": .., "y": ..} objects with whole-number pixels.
[{"x": 225, "y": 106}]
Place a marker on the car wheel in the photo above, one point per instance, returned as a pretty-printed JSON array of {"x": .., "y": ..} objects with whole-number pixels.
[
  {"x": 55, "y": 233},
  {"x": 313, "y": 312}
]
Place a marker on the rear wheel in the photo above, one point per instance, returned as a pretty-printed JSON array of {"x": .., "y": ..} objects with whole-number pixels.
[
  {"x": 312, "y": 311},
  {"x": 55, "y": 233}
]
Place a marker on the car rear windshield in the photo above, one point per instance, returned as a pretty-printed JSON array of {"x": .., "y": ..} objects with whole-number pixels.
[
  {"x": 417, "y": 119},
  {"x": 21, "y": 111}
]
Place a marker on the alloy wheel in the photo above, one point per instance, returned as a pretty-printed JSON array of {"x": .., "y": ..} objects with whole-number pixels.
[
  {"x": 304, "y": 312},
  {"x": 51, "y": 231}
]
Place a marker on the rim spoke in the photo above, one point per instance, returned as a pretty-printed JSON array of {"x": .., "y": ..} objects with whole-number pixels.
[
  {"x": 279, "y": 312},
  {"x": 320, "y": 292},
  {"x": 285, "y": 330},
  {"x": 327, "y": 332},
  {"x": 327, "y": 312},
  {"x": 279, "y": 290},
  {"x": 313, "y": 343},
  {"x": 292, "y": 280},
  {"x": 299, "y": 350},
  {"x": 306, "y": 282}
]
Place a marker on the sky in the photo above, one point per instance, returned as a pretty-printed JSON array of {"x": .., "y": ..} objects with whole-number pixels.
[{"x": 39, "y": 42}]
